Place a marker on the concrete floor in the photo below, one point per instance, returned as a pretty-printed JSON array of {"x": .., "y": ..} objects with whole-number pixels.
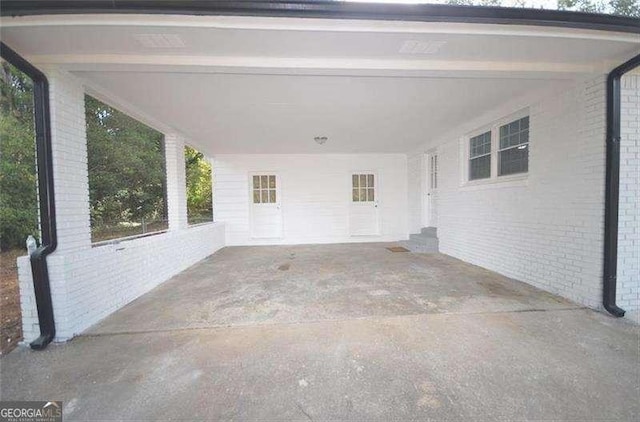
[{"x": 339, "y": 332}]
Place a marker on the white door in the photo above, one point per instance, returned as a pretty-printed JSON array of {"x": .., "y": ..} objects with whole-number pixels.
[
  {"x": 431, "y": 200},
  {"x": 364, "y": 218},
  {"x": 266, "y": 209}
]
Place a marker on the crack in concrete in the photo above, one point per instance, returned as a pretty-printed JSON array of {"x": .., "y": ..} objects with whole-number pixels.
[{"x": 337, "y": 320}]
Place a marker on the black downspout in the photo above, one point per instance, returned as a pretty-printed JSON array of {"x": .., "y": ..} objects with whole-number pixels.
[
  {"x": 612, "y": 188},
  {"x": 45, "y": 196}
]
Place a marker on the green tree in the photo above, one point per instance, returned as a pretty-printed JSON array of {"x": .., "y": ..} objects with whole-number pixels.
[
  {"x": 126, "y": 167},
  {"x": 615, "y": 7},
  {"x": 475, "y": 2},
  {"x": 18, "y": 191},
  {"x": 199, "y": 194}
]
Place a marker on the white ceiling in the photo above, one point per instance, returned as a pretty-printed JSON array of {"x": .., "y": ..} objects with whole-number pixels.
[
  {"x": 227, "y": 113},
  {"x": 270, "y": 85}
]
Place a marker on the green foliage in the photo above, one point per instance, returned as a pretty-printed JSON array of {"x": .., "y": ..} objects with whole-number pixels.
[
  {"x": 199, "y": 194},
  {"x": 18, "y": 191},
  {"x": 126, "y": 167},
  {"x": 475, "y": 2},
  {"x": 614, "y": 7}
]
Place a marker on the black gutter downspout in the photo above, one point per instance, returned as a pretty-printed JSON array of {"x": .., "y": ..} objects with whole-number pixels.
[
  {"x": 46, "y": 196},
  {"x": 612, "y": 188}
]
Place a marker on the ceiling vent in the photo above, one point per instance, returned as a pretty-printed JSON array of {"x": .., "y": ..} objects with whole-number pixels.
[
  {"x": 421, "y": 47},
  {"x": 160, "y": 40}
]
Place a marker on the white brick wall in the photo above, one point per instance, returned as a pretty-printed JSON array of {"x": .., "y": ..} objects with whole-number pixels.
[
  {"x": 88, "y": 283},
  {"x": 316, "y": 194},
  {"x": 629, "y": 211},
  {"x": 415, "y": 192},
  {"x": 176, "y": 182},
  {"x": 70, "y": 172},
  {"x": 546, "y": 230}
]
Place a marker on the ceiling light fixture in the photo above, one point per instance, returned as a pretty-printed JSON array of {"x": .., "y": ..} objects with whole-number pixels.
[{"x": 320, "y": 140}]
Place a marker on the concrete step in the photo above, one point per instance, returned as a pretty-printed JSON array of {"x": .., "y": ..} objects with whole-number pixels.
[
  {"x": 422, "y": 242},
  {"x": 429, "y": 231},
  {"x": 417, "y": 247}
]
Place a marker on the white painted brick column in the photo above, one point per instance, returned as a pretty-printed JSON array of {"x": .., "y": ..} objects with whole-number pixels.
[
  {"x": 70, "y": 168},
  {"x": 628, "y": 287},
  {"x": 176, "y": 181}
]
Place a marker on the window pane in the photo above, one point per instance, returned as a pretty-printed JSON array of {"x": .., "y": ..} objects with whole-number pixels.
[
  {"x": 370, "y": 181},
  {"x": 371, "y": 194},
  {"x": 513, "y": 160},
  {"x": 272, "y": 196},
  {"x": 480, "y": 145},
  {"x": 264, "y": 196},
  {"x": 256, "y": 196},
  {"x": 198, "y": 174},
  {"x": 514, "y": 133},
  {"x": 356, "y": 195},
  {"x": 363, "y": 180},
  {"x": 264, "y": 182},
  {"x": 354, "y": 181},
  {"x": 256, "y": 182},
  {"x": 272, "y": 182},
  {"x": 480, "y": 168},
  {"x": 363, "y": 194}
]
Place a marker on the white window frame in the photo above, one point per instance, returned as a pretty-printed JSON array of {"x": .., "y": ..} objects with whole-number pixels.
[{"x": 494, "y": 128}]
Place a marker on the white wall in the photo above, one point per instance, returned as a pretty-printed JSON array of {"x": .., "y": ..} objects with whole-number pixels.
[
  {"x": 547, "y": 229},
  {"x": 416, "y": 171},
  {"x": 316, "y": 194},
  {"x": 89, "y": 282},
  {"x": 629, "y": 211}
]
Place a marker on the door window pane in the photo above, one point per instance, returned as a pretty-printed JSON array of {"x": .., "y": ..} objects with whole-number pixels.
[
  {"x": 363, "y": 187},
  {"x": 265, "y": 189}
]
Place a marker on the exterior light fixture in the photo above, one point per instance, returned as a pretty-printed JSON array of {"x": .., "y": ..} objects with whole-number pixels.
[{"x": 320, "y": 140}]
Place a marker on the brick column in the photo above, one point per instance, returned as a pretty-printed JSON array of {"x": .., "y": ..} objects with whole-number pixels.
[
  {"x": 70, "y": 171},
  {"x": 628, "y": 291},
  {"x": 176, "y": 182}
]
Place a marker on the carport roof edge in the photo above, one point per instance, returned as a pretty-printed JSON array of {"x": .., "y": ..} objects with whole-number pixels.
[{"x": 332, "y": 10}]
